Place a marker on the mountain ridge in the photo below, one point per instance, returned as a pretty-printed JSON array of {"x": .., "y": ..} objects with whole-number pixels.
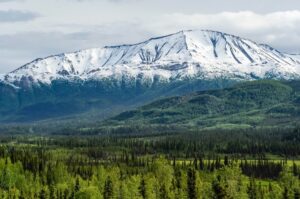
[
  {"x": 123, "y": 76},
  {"x": 197, "y": 54},
  {"x": 262, "y": 104}
]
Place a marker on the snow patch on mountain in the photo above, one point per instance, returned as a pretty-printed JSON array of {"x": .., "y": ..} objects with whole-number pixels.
[
  {"x": 200, "y": 54},
  {"x": 295, "y": 56}
]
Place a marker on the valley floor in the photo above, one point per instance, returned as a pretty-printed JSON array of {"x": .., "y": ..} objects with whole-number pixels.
[{"x": 227, "y": 164}]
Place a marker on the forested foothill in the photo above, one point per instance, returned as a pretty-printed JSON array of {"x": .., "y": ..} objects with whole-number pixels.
[{"x": 239, "y": 142}]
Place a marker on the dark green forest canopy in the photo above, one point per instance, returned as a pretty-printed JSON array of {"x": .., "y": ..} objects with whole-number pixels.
[
  {"x": 264, "y": 103},
  {"x": 251, "y": 105}
]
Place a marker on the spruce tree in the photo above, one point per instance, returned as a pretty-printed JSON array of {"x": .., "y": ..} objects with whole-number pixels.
[
  {"x": 142, "y": 188},
  {"x": 219, "y": 188},
  {"x": 191, "y": 183},
  {"x": 285, "y": 194},
  {"x": 226, "y": 161},
  {"x": 252, "y": 189},
  {"x": 163, "y": 193},
  {"x": 108, "y": 188},
  {"x": 77, "y": 185},
  {"x": 296, "y": 194}
]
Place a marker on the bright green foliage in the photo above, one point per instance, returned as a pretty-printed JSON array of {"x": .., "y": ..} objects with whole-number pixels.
[
  {"x": 220, "y": 187},
  {"x": 164, "y": 174},
  {"x": 88, "y": 193},
  {"x": 290, "y": 184},
  {"x": 252, "y": 189},
  {"x": 108, "y": 192},
  {"x": 160, "y": 179},
  {"x": 44, "y": 193},
  {"x": 142, "y": 189},
  {"x": 203, "y": 165}
]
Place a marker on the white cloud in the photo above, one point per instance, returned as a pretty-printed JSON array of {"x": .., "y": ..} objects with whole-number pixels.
[
  {"x": 4, "y": 1},
  {"x": 280, "y": 29},
  {"x": 67, "y": 25},
  {"x": 7, "y": 16},
  {"x": 244, "y": 20}
]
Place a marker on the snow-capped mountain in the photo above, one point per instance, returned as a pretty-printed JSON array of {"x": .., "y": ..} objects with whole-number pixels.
[
  {"x": 198, "y": 54},
  {"x": 110, "y": 79}
]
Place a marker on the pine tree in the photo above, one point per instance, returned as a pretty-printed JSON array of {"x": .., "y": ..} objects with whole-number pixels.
[
  {"x": 226, "y": 161},
  {"x": 52, "y": 191},
  {"x": 285, "y": 194},
  {"x": 252, "y": 189},
  {"x": 44, "y": 193},
  {"x": 195, "y": 163},
  {"x": 191, "y": 183},
  {"x": 163, "y": 194},
  {"x": 108, "y": 188},
  {"x": 201, "y": 164},
  {"x": 295, "y": 169},
  {"x": 77, "y": 185},
  {"x": 142, "y": 188},
  {"x": 296, "y": 194},
  {"x": 219, "y": 188}
]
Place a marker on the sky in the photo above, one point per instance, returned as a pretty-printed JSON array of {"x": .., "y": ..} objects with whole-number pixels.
[{"x": 32, "y": 29}]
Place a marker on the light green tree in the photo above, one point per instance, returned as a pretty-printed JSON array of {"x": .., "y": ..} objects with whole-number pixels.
[{"x": 90, "y": 192}]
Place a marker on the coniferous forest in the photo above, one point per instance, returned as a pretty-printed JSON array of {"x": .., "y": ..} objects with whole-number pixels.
[
  {"x": 149, "y": 99},
  {"x": 239, "y": 142},
  {"x": 206, "y": 164}
]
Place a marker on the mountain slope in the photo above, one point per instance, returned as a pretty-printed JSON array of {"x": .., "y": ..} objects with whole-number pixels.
[
  {"x": 258, "y": 103},
  {"x": 130, "y": 75},
  {"x": 200, "y": 54}
]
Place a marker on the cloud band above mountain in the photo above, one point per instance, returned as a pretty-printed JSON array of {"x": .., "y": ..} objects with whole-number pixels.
[
  {"x": 16, "y": 16},
  {"x": 106, "y": 22}
]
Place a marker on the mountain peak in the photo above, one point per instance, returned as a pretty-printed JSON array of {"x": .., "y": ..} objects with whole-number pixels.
[{"x": 202, "y": 54}]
